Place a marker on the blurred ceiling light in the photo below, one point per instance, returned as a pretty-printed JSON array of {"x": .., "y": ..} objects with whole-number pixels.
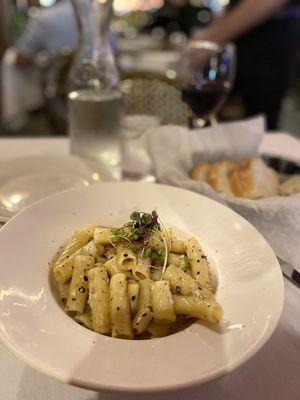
[
  {"x": 47, "y": 3},
  {"x": 171, "y": 74},
  {"x": 216, "y": 6},
  {"x": 204, "y": 16},
  {"x": 126, "y": 6}
]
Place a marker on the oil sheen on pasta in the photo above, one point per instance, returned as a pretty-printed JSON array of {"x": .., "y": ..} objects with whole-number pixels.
[{"x": 136, "y": 281}]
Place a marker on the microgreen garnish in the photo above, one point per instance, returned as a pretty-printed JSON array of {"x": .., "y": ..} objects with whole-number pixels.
[
  {"x": 166, "y": 253},
  {"x": 158, "y": 256},
  {"x": 137, "y": 232},
  {"x": 122, "y": 234},
  {"x": 138, "y": 229},
  {"x": 143, "y": 224}
]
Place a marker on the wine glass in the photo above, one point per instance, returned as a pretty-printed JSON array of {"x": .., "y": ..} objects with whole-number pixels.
[{"x": 206, "y": 74}]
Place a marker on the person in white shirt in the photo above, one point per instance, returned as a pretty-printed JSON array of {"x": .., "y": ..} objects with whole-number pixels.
[{"x": 50, "y": 31}]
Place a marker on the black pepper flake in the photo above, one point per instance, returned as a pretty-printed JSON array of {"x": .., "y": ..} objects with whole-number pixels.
[
  {"x": 133, "y": 298},
  {"x": 125, "y": 255},
  {"x": 203, "y": 256},
  {"x": 198, "y": 272},
  {"x": 85, "y": 278},
  {"x": 198, "y": 260},
  {"x": 81, "y": 289},
  {"x": 144, "y": 315},
  {"x": 118, "y": 308},
  {"x": 178, "y": 290}
]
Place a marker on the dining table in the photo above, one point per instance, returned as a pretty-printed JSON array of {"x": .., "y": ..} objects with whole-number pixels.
[{"x": 273, "y": 373}]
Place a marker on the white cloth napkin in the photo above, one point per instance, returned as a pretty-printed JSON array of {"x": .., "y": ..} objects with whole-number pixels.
[
  {"x": 176, "y": 150},
  {"x": 136, "y": 163}
]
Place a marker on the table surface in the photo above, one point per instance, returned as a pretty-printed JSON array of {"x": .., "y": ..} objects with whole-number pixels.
[
  {"x": 278, "y": 144},
  {"x": 273, "y": 373}
]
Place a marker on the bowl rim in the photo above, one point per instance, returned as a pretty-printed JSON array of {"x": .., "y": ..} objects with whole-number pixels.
[{"x": 212, "y": 375}]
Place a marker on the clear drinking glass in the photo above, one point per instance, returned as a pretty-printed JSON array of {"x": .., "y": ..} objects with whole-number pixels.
[
  {"x": 206, "y": 74},
  {"x": 95, "y": 101}
]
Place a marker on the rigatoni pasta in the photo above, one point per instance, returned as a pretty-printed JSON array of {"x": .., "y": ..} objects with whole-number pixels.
[
  {"x": 194, "y": 307},
  {"x": 135, "y": 282},
  {"x": 64, "y": 265},
  {"x": 162, "y": 302},
  {"x": 180, "y": 282},
  {"x": 78, "y": 291},
  {"x": 198, "y": 262},
  {"x": 141, "y": 270},
  {"x": 99, "y": 299},
  {"x": 121, "y": 326},
  {"x": 145, "y": 312},
  {"x": 133, "y": 294}
]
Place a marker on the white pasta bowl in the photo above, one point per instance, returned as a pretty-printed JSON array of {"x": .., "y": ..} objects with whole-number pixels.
[{"x": 34, "y": 327}]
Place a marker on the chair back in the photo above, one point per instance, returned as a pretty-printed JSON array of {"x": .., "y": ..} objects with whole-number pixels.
[{"x": 154, "y": 94}]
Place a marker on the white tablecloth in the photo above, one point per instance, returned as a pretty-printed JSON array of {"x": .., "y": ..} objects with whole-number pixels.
[
  {"x": 274, "y": 373},
  {"x": 277, "y": 144}
]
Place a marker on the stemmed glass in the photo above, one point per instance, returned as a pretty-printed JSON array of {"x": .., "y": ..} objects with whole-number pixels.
[{"x": 206, "y": 74}]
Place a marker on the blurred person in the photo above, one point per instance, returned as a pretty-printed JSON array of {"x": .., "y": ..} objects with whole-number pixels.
[
  {"x": 181, "y": 15},
  {"x": 50, "y": 31},
  {"x": 267, "y": 35}
]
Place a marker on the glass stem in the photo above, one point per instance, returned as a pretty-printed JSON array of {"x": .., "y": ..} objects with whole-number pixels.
[{"x": 213, "y": 120}]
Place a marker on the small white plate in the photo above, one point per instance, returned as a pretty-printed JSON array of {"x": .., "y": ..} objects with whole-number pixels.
[
  {"x": 34, "y": 327},
  {"x": 25, "y": 180}
]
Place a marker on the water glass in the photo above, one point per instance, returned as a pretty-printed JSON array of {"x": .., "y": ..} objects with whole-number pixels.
[{"x": 95, "y": 127}]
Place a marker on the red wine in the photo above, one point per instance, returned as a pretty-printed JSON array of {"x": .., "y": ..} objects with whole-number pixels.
[{"x": 205, "y": 100}]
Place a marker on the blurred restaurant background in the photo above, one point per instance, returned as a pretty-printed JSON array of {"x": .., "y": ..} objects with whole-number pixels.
[{"x": 147, "y": 36}]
